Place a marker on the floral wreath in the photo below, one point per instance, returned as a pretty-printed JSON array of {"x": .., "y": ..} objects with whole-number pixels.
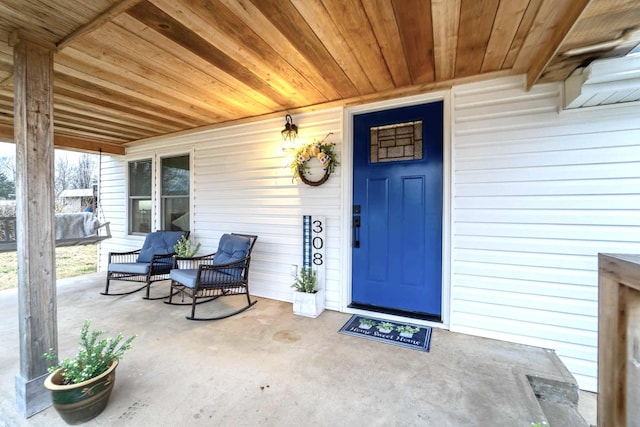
[{"x": 323, "y": 151}]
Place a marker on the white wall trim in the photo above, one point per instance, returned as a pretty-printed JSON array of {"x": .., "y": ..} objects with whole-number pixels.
[
  {"x": 447, "y": 195},
  {"x": 347, "y": 202}
]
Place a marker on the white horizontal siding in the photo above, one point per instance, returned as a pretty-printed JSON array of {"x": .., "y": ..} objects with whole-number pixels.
[
  {"x": 113, "y": 204},
  {"x": 241, "y": 184},
  {"x": 537, "y": 194}
]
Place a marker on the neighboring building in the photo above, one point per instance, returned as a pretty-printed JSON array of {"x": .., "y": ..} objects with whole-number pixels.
[
  {"x": 7, "y": 205},
  {"x": 531, "y": 193},
  {"x": 77, "y": 200}
]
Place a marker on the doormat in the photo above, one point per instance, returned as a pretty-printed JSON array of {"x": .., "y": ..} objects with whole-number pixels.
[{"x": 402, "y": 334}]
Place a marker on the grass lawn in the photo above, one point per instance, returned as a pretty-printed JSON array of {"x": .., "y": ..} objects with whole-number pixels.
[{"x": 71, "y": 261}]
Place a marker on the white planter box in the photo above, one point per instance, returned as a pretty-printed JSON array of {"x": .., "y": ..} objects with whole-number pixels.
[
  {"x": 309, "y": 305},
  {"x": 184, "y": 264}
]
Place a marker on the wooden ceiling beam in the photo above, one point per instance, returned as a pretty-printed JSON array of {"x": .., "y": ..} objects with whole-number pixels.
[
  {"x": 86, "y": 144},
  {"x": 97, "y": 22},
  {"x": 7, "y": 81},
  {"x": 551, "y": 47},
  {"x": 70, "y": 142},
  {"x": 17, "y": 35}
]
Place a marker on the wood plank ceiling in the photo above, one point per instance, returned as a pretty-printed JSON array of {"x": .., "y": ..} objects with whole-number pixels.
[{"x": 135, "y": 69}]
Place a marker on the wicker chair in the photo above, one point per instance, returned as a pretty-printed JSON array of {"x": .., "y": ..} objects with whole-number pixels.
[
  {"x": 209, "y": 277},
  {"x": 151, "y": 263}
]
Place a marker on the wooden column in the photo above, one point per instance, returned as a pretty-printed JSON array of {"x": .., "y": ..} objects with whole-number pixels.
[
  {"x": 618, "y": 340},
  {"x": 33, "y": 132}
]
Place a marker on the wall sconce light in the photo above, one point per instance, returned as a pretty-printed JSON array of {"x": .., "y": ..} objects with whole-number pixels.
[{"x": 289, "y": 134}]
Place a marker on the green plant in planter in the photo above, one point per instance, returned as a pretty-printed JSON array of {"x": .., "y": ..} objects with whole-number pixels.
[
  {"x": 80, "y": 387},
  {"x": 367, "y": 322},
  {"x": 385, "y": 325},
  {"x": 307, "y": 281},
  {"x": 407, "y": 329},
  {"x": 94, "y": 356},
  {"x": 185, "y": 248}
]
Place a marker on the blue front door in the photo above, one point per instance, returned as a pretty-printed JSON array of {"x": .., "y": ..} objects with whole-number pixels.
[{"x": 397, "y": 211}]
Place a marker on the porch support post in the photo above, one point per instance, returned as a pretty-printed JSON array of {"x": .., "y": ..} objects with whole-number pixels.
[{"x": 33, "y": 132}]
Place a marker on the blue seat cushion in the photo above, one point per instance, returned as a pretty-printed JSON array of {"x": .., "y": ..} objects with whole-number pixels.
[
  {"x": 188, "y": 277},
  {"x": 159, "y": 243},
  {"x": 231, "y": 248},
  {"x": 130, "y": 267},
  {"x": 185, "y": 277}
]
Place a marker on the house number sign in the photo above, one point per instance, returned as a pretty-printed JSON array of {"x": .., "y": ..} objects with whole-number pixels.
[{"x": 313, "y": 243}]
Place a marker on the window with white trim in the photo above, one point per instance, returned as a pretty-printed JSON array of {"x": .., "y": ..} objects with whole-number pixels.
[
  {"x": 174, "y": 193},
  {"x": 170, "y": 197},
  {"x": 140, "y": 202}
]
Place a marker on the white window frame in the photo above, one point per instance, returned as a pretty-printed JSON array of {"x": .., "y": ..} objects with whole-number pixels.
[
  {"x": 156, "y": 190},
  {"x": 128, "y": 202},
  {"x": 161, "y": 198}
]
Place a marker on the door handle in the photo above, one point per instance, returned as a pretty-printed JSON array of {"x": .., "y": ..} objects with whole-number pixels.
[{"x": 356, "y": 231}]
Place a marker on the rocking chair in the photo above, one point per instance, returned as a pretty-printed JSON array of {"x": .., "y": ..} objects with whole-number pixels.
[
  {"x": 209, "y": 277},
  {"x": 151, "y": 263}
]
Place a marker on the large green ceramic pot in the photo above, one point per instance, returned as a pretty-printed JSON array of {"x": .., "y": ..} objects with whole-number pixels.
[{"x": 78, "y": 403}]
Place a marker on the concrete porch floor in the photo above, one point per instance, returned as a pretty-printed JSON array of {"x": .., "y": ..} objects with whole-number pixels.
[{"x": 269, "y": 367}]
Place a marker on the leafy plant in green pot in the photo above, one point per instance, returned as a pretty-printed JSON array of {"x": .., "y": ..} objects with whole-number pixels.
[
  {"x": 308, "y": 300},
  {"x": 80, "y": 386}
]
